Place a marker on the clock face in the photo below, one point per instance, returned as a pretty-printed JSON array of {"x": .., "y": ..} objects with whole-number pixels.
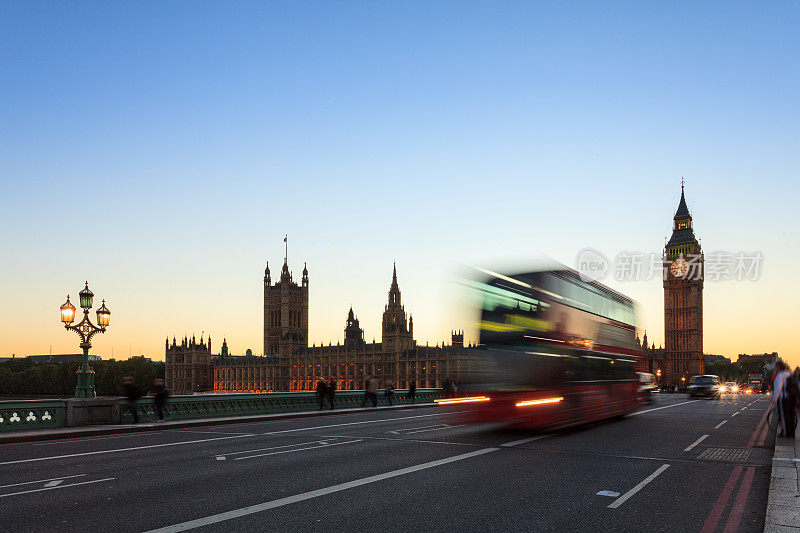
[{"x": 679, "y": 268}]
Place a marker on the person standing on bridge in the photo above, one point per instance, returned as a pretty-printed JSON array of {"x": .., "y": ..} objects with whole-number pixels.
[
  {"x": 322, "y": 391},
  {"x": 412, "y": 392},
  {"x": 331, "y": 391},
  {"x": 389, "y": 392}
]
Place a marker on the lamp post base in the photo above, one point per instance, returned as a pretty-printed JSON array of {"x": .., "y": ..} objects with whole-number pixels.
[{"x": 85, "y": 387}]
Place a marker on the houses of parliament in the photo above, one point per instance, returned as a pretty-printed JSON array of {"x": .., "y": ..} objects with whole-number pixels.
[{"x": 290, "y": 364}]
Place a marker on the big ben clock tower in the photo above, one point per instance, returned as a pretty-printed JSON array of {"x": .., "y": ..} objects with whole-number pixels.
[{"x": 683, "y": 299}]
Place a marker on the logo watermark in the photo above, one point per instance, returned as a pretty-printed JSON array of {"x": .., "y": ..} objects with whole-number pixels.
[{"x": 593, "y": 265}]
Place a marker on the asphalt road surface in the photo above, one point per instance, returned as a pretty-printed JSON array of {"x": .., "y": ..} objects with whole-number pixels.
[{"x": 676, "y": 465}]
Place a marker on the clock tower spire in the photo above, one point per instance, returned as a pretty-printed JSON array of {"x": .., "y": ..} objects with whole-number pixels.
[{"x": 683, "y": 299}]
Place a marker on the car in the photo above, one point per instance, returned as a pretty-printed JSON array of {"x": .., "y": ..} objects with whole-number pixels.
[
  {"x": 731, "y": 387},
  {"x": 647, "y": 386},
  {"x": 705, "y": 386}
]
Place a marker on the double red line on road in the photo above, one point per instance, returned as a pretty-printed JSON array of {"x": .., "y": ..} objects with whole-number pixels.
[
  {"x": 735, "y": 516},
  {"x": 737, "y": 510},
  {"x": 761, "y": 423}
]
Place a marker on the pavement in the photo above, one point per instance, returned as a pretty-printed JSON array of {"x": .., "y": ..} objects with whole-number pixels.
[
  {"x": 675, "y": 465},
  {"x": 783, "y": 506}
]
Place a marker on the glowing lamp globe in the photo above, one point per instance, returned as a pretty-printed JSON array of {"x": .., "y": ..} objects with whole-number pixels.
[
  {"x": 103, "y": 316},
  {"x": 86, "y": 297},
  {"x": 67, "y": 312}
]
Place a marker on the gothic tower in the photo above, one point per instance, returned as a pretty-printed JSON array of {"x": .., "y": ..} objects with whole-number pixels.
[
  {"x": 353, "y": 334},
  {"x": 397, "y": 332},
  {"x": 683, "y": 299},
  {"x": 285, "y": 313}
]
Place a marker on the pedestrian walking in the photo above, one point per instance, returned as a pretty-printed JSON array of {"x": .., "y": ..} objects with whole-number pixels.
[
  {"x": 322, "y": 391},
  {"x": 412, "y": 392},
  {"x": 785, "y": 399},
  {"x": 389, "y": 392},
  {"x": 370, "y": 391},
  {"x": 796, "y": 379},
  {"x": 447, "y": 388},
  {"x": 331, "y": 391},
  {"x": 160, "y": 394},
  {"x": 132, "y": 394}
]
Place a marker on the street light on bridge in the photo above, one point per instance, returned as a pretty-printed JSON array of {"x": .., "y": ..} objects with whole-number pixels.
[{"x": 85, "y": 330}]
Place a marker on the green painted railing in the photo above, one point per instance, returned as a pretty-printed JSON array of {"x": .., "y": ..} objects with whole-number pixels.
[
  {"x": 24, "y": 415},
  {"x": 220, "y": 405}
]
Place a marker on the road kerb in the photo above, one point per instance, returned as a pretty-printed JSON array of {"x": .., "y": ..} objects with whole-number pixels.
[
  {"x": 783, "y": 504},
  {"x": 120, "y": 429}
]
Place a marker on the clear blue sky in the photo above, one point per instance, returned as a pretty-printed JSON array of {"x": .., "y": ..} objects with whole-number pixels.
[{"x": 182, "y": 140}]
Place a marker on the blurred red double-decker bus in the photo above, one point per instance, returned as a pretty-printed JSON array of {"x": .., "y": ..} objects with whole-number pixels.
[{"x": 554, "y": 351}]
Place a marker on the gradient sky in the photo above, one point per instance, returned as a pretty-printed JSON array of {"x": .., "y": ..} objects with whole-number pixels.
[{"x": 162, "y": 150}]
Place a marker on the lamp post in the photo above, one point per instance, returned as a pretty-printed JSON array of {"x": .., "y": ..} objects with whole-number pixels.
[{"x": 85, "y": 330}]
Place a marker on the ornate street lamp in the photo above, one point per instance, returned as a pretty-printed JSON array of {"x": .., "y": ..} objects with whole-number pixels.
[{"x": 85, "y": 330}]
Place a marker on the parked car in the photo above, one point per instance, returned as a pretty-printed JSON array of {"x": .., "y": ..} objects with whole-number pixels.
[{"x": 705, "y": 386}]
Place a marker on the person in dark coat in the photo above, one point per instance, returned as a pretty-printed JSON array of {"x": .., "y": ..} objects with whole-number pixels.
[
  {"x": 447, "y": 388},
  {"x": 132, "y": 394},
  {"x": 412, "y": 391},
  {"x": 331, "y": 391},
  {"x": 160, "y": 395},
  {"x": 322, "y": 390},
  {"x": 389, "y": 392}
]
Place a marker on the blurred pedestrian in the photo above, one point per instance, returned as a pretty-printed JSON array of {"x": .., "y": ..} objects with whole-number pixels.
[
  {"x": 370, "y": 391},
  {"x": 389, "y": 392},
  {"x": 412, "y": 392},
  {"x": 459, "y": 387},
  {"x": 784, "y": 399},
  {"x": 132, "y": 394},
  {"x": 322, "y": 390},
  {"x": 331, "y": 391},
  {"x": 796, "y": 379},
  {"x": 160, "y": 394},
  {"x": 446, "y": 386}
]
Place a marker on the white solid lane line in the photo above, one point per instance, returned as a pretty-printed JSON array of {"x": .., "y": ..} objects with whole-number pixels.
[
  {"x": 40, "y": 481},
  {"x": 244, "y": 511},
  {"x": 695, "y": 443},
  {"x": 357, "y": 423},
  {"x": 56, "y": 487},
  {"x": 296, "y": 450},
  {"x": 720, "y": 424},
  {"x": 659, "y": 408},
  {"x": 523, "y": 441},
  {"x": 117, "y": 450},
  {"x": 622, "y": 499}
]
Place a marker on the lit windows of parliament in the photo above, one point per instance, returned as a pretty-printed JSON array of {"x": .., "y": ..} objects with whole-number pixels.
[{"x": 290, "y": 364}]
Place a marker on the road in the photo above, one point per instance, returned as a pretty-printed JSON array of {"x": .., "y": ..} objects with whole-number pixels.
[{"x": 675, "y": 465}]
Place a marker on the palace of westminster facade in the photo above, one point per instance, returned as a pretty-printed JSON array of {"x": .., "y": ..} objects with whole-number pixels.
[{"x": 290, "y": 364}]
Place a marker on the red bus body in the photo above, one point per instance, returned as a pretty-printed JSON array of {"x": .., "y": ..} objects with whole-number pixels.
[{"x": 554, "y": 351}]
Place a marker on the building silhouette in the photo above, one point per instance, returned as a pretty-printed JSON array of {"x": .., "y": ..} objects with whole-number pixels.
[
  {"x": 290, "y": 364},
  {"x": 683, "y": 300}
]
